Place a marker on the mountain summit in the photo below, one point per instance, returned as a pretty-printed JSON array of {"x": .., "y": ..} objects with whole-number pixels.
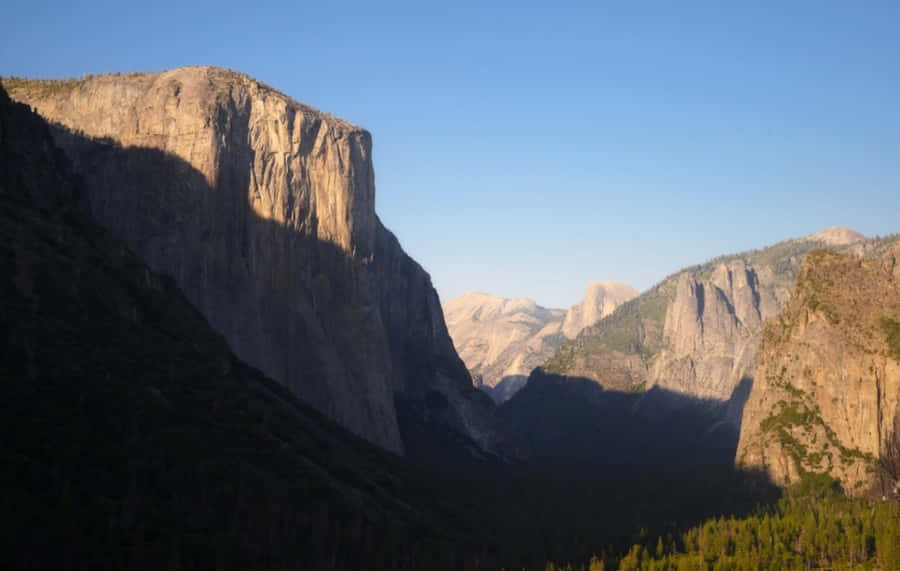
[
  {"x": 837, "y": 236},
  {"x": 600, "y": 300}
]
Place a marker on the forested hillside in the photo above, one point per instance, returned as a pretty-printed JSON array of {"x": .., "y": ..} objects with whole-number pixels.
[{"x": 814, "y": 526}]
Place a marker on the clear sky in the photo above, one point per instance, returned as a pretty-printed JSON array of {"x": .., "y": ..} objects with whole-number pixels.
[{"x": 526, "y": 148}]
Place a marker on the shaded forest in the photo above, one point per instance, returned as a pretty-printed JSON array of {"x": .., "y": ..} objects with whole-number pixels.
[{"x": 815, "y": 526}]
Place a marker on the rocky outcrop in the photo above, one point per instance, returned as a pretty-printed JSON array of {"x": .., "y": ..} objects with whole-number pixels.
[
  {"x": 262, "y": 210},
  {"x": 697, "y": 332},
  {"x": 666, "y": 376},
  {"x": 827, "y": 392},
  {"x": 837, "y": 236},
  {"x": 712, "y": 326},
  {"x": 600, "y": 300},
  {"x": 502, "y": 340}
]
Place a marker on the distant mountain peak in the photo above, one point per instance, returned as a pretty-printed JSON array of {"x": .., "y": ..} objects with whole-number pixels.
[
  {"x": 610, "y": 288},
  {"x": 608, "y": 284},
  {"x": 502, "y": 340},
  {"x": 837, "y": 236},
  {"x": 600, "y": 300}
]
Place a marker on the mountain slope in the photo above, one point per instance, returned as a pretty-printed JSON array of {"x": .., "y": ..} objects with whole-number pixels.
[
  {"x": 262, "y": 210},
  {"x": 502, "y": 340},
  {"x": 697, "y": 331},
  {"x": 665, "y": 377},
  {"x": 827, "y": 396}
]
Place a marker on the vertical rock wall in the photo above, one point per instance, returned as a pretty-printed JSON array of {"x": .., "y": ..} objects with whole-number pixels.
[
  {"x": 827, "y": 391},
  {"x": 263, "y": 210}
]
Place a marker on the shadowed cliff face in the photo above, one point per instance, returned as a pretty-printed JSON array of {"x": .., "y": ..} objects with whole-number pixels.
[
  {"x": 827, "y": 394},
  {"x": 262, "y": 210}
]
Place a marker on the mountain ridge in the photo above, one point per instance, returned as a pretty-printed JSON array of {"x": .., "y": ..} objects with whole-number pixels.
[
  {"x": 694, "y": 331},
  {"x": 675, "y": 365}
]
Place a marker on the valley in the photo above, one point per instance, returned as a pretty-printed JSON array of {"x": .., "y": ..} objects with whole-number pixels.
[{"x": 215, "y": 355}]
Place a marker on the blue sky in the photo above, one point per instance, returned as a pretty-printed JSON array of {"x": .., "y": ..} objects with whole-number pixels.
[{"x": 526, "y": 148}]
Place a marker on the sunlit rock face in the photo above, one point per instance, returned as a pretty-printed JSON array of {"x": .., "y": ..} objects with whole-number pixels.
[
  {"x": 827, "y": 392},
  {"x": 697, "y": 332},
  {"x": 600, "y": 300},
  {"x": 263, "y": 210}
]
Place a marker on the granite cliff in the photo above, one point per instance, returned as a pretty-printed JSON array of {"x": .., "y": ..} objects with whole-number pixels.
[
  {"x": 263, "y": 212},
  {"x": 827, "y": 392},
  {"x": 501, "y": 340},
  {"x": 665, "y": 377},
  {"x": 697, "y": 331},
  {"x": 133, "y": 438}
]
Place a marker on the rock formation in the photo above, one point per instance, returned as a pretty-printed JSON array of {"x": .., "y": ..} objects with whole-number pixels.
[
  {"x": 600, "y": 300},
  {"x": 665, "y": 377},
  {"x": 827, "y": 392},
  {"x": 263, "y": 211},
  {"x": 134, "y": 436},
  {"x": 502, "y": 340},
  {"x": 696, "y": 332}
]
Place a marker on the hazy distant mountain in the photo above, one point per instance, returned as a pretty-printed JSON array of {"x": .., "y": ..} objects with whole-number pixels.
[
  {"x": 826, "y": 397},
  {"x": 501, "y": 340},
  {"x": 263, "y": 212},
  {"x": 600, "y": 300}
]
